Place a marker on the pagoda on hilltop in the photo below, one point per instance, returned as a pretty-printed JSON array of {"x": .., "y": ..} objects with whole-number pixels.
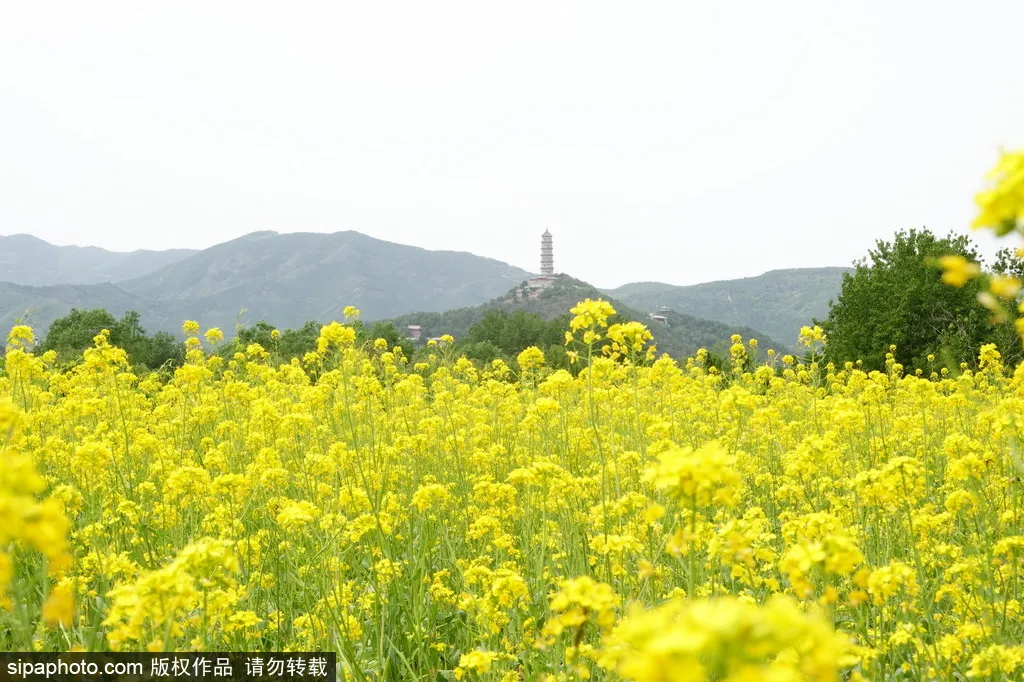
[
  {"x": 547, "y": 255},
  {"x": 547, "y": 270},
  {"x": 535, "y": 285}
]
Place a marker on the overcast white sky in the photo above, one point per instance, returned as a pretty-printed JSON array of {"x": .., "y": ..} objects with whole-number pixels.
[{"x": 681, "y": 142}]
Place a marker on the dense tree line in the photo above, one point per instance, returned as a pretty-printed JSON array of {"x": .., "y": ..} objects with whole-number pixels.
[
  {"x": 896, "y": 296},
  {"x": 498, "y": 335},
  {"x": 70, "y": 335},
  {"x": 504, "y": 335},
  {"x": 296, "y": 343}
]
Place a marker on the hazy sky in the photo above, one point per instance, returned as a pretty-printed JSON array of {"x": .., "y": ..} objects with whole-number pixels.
[{"x": 681, "y": 142}]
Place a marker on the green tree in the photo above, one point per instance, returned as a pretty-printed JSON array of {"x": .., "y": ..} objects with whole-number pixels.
[
  {"x": 556, "y": 357},
  {"x": 896, "y": 296},
  {"x": 489, "y": 329},
  {"x": 1005, "y": 335},
  {"x": 513, "y": 332},
  {"x": 70, "y": 335},
  {"x": 483, "y": 352},
  {"x": 385, "y": 329},
  {"x": 1008, "y": 263},
  {"x": 260, "y": 333},
  {"x": 73, "y": 333},
  {"x": 164, "y": 351},
  {"x": 292, "y": 343},
  {"x": 128, "y": 333},
  {"x": 295, "y": 343}
]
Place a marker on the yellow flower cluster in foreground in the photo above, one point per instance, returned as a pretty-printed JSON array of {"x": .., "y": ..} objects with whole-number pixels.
[
  {"x": 640, "y": 519},
  {"x": 1001, "y": 210}
]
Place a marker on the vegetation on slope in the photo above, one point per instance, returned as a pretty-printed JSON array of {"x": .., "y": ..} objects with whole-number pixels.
[
  {"x": 779, "y": 302},
  {"x": 292, "y": 278},
  {"x": 500, "y": 329},
  {"x": 41, "y": 306},
  {"x": 681, "y": 336}
]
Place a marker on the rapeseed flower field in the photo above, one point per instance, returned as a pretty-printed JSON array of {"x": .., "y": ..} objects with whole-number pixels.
[{"x": 639, "y": 518}]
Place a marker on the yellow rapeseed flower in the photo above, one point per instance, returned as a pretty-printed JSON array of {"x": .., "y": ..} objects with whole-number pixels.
[{"x": 957, "y": 270}]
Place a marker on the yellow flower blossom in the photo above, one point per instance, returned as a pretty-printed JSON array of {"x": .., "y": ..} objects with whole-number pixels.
[
  {"x": 957, "y": 270},
  {"x": 621, "y": 518}
]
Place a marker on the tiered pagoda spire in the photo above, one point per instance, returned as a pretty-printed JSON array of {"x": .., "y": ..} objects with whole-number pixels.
[{"x": 547, "y": 255}]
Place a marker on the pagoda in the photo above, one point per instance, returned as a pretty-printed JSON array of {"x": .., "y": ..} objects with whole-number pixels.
[{"x": 547, "y": 255}]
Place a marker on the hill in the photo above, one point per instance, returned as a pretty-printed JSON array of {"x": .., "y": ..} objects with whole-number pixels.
[
  {"x": 778, "y": 302},
  {"x": 680, "y": 337},
  {"x": 28, "y": 260},
  {"x": 291, "y": 278},
  {"x": 285, "y": 279},
  {"x": 40, "y": 306}
]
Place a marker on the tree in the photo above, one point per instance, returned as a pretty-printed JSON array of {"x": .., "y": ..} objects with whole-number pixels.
[
  {"x": 896, "y": 296},
  {"x": 260, "y": 333},
  {"x": 73, "y": 333},
  {"x": 70, "y": 335},
  {"x": 483, "y": 352},
  {"x": 385, "y": 329},
  {"x": 556, "y": 357},
  {"x": 511, "y": 333},
  {"x": 164, "y": 349},
  {"x": 489, "y": 329},
  {"x": 1005, "y": 334},
  {"x": 1008, "y": 263},
  {"x": 128, "y": 334},
  {"x": 291, "y": 343},
  {"x": 295, "y": 343}
]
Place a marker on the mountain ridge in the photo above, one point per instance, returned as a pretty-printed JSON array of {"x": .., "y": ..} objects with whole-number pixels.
[
  {"x": 287, "y": 278},
  {"x": 290, "y": 278},
  {"x": 28, "y": 260},
  {"x": 680, "y": 339},
  {"x": 778, "y": 301}
]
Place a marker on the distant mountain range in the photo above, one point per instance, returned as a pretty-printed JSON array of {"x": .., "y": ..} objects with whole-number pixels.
[
  {"x": 25, "y": 259},
  {"x": 283, "y": 278},
  {"x": 778, "y": 302},
  {"x": 288, "y": 279}
]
